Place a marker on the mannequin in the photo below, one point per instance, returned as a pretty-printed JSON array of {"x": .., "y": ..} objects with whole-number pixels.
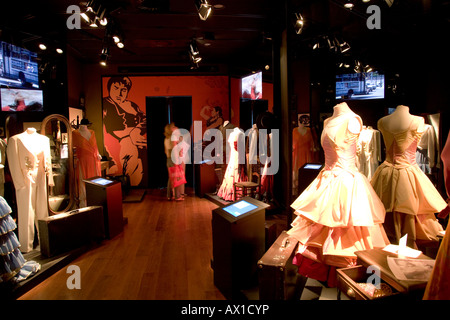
[
  {"x": 368, "y": 151},
  {"x": 339, "y": 212},
  {"x": 30, "y": 164},
  {"x": 302, "y": 151},
  {"x": 232, "y": 173},
  {"x": 88, "y": 158},
  {"x": 408, "y": 195},
  {"x": 221, "y": 168},
  {"x": 252, "y": 151}
]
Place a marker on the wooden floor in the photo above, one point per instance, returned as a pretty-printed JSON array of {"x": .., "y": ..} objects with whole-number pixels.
[{"x": 164, "y": 253}]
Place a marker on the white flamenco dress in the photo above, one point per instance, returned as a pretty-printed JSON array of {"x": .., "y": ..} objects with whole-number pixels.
[
  {"x": 339, "y": 212},
  {"x": 233, "y": 173}
]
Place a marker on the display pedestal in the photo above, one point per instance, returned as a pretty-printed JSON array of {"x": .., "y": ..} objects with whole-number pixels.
[
  {"x": 205, "y": 178},
  {"x": 107, "y": 194},
  {"x": 238, "y": 243}
]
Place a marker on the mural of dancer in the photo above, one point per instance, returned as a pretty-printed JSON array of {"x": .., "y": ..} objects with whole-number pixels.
[{"x": 125, "y": 132}]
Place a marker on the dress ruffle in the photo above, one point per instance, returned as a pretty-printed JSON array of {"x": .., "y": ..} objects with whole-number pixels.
[
  {"x": 7, "y": 225},
  {"x": 10, "y": 264},
  {"x": 8, "y": 243},
  {"x": 406, "y": 189},
  {"x": 336, "y": 198},
  {"x": 5, "y": 209}
]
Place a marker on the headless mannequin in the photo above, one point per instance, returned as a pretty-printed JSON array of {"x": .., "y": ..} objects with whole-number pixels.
[
  {"x": 399, "y": 120},
  {"x": 354, "y": 125},
  {"x": 84, "y": 131},
  {"x": 31, "y": 130},
  {"x": 301, "y": 128}
]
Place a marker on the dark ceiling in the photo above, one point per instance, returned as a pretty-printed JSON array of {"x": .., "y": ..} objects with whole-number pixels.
[{"x": 238, "y": 31}]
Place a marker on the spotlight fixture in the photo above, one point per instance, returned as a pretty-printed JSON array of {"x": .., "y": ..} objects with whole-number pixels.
[
  {"x": 357, "y": 67},
  {"x": 344, "y": 46},
  {"x": 95, "y": 14},
  {"x": 299, "y": 23},
  {"x": 42, "y": 46},
  {"x": 104, "y": 56},
  {"x": 331, "y": 44},
  {"x": 349, "y": 4},
  {"x": 203, "y": 8},
  {"x": 194, "y": 54},
  {"x": 59, "y": 50}
]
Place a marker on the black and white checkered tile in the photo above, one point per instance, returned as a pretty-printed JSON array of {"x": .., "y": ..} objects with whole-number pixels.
[{"x": 314, "y": 290}]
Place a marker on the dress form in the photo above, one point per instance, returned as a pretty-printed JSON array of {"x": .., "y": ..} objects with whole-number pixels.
[
  {"x": 399, "y": 120},
  {"x": 410, "y": 199},
  {"x": 30, "y": 165},
  {"x": 84, "y": 131}
]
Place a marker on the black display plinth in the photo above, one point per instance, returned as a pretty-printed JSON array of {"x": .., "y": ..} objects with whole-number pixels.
[
  {"x": 107, "y": 194},
  {"x": 238, "y": 243}
]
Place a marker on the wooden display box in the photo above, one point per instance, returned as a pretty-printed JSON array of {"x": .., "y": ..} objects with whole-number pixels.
[{"x": 349, "y": 280}]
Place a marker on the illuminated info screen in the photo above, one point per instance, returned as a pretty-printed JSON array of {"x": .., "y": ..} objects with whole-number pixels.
[{"x": 239, "y": 208}]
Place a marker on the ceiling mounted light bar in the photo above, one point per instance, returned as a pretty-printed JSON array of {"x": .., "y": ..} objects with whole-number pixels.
[{"x": 203, "y": 8}]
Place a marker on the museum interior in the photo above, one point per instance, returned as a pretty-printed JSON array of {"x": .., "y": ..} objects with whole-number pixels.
[{"x": 221, "y": 150}]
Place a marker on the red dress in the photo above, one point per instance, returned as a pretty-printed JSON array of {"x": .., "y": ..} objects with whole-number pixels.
[{"x": 87, "y": 154}]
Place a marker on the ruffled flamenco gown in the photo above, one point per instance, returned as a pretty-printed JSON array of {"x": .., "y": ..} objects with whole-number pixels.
[
  {"x": 339, "y": 212},
  {"x": 233, "y": 172},
  {"x": 410, "y": 198},
  {"x": 13, "y": 266}
]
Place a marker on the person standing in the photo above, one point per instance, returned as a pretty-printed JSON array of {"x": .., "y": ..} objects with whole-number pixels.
[{"x": 173, "y": 193}]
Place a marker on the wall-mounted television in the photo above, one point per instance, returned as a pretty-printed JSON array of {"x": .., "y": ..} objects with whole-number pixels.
[
  {"x": 17, "y": 100},
  {"x": 360, "y": 86},
  {"x": 18, "y": 67},
  {"x": 251, "y": 86}
]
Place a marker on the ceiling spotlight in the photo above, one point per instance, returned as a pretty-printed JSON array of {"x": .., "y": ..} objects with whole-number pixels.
[
  {"x": 344, "y": 46},
  {"x": 104, "y": 56},
  {"x": 349, "y": 4},
  {"x": 120, "y": 44},
  {"x": 59, "y": 50},
  {"x": 193, "y": 52},
  {"x": 203, "y": 9},
  {"x": 357, "y": 67},
  {"x": 101, "y": 16},
  {"x": 42, "y": 46},
  {"x": 299, "y": 23}
]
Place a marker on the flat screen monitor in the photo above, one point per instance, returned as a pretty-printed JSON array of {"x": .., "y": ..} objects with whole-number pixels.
[
  {"x": 18, "y": 67},
  {"x": 251, "y": 86},
  {"x": 17, "y": 100},
  {"x": 360, "y": 86},
  {"x": 102, "y": 181},
  {"x": 239, "y": 208}
]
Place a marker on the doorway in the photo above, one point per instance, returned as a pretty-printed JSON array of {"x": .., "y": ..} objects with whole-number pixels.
[{"x": 161, "y": 111}]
